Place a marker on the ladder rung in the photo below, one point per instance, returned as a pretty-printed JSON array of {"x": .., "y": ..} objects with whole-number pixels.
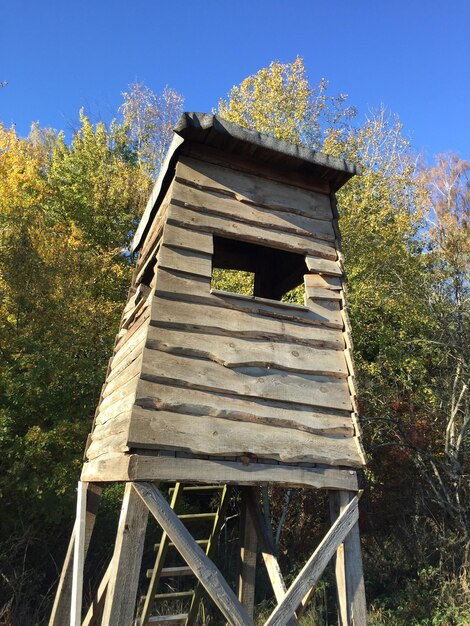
[
  {"x": 201, "y": 542},
  {"x": 173, "y": 595},
  {"x": 168, "y": 620},
  {"x": 173, "y": 571},
  {"x": 197, "y": 516},
  {"x": 196, "y": 488}
]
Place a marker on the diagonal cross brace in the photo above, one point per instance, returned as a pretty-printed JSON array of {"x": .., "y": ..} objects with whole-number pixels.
[
  {"x": 315, "y": 566},
  {"x": 205, "y": 570}
]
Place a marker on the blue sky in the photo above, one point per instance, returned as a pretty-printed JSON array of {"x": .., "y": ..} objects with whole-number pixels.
[{"x": 411, "y": 55}]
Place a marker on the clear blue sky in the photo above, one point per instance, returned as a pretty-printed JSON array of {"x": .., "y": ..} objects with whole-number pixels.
[{"x": 411, "y": 55}]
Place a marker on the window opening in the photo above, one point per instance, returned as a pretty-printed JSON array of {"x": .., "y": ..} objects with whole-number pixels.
[{"x": 255, "y": 270}]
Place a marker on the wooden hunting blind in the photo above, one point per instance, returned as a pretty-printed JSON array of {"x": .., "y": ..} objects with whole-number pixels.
[{"x": 211, "y": 387}]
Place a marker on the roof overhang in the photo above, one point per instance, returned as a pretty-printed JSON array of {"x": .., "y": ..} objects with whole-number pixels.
[{"x": 215, "y": 132}]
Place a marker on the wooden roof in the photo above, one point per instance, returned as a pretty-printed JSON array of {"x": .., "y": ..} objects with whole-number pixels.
[{"x": 215, "y": 132}]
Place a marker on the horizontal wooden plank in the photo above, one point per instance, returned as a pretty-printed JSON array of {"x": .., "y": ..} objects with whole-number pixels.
[
  {"x": 166, "y": 397},
  {"x": 236, "y": 322},
  {"x": 242, "y": 163},
  {"x": 125, "y": 467},
  {"x": 320, "y": 293},
  {"x": 179, "y": 237},
  {"x": 234, "y": 352},
  {"x": 283, "y": 221},
  {"x": 221, "y": 437},
  {"x": 219, "y": 225},
  {"x": 326, "y": 312},
  {"x": 325, "y": 282},
  {"x": 323, "y": 266},
  {"x": 188, "y": 261},
  {"x": 177, "y": 286},
  {"x": 254, "y": 189},
  {"x": 321, "y": 391},
  {"x": 171, "y": 282}
]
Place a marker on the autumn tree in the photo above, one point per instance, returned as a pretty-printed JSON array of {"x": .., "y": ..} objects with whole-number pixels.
[
  {"x": 149, "y": 119},
  {"x": 67, "y": 214},
  {"x": 391, "y": 281}
]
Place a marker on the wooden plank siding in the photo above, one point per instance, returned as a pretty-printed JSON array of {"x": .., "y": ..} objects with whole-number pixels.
[{"x": 220, "y": 375}]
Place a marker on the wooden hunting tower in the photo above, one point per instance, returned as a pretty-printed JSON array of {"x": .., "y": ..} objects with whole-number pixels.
[{"x": 210, "y": 387}]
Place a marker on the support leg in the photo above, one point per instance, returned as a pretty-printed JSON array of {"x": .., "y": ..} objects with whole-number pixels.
[
  {"x": 60, "y": 614},
  {"x": 249, "y": 544},
  {"x": 121, "y": 593},
  {"x": 352, "y": 610},
  {"x": 267, "y": 550}
]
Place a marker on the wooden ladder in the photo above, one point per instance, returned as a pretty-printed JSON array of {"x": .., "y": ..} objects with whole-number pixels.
[{"x": 149, "y": 602}]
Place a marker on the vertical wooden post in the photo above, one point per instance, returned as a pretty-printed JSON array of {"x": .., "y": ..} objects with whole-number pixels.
[
  {"x": 78, "y": 557},
  {"x": 60, "y": 613},
  {"x": 121, "y": 594},
  {"x": 249, "y": 545},
  {"x": 352, "y": 609}
]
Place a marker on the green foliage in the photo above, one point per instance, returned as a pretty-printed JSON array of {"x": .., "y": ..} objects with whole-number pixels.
[
  {"x": 67, "y": 213},
  {"x": 280, "y": 101},
  {"x": 405, "y": 240}
]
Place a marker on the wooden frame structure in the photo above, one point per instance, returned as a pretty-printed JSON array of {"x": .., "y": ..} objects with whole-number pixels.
[{"x": 217, "y": 388}]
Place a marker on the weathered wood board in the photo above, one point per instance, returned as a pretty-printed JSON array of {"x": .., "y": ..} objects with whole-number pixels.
[
  {"x": 221, "y": 437},
  {"x": 254, "y": 189},
  {"x": 217, "y": 374}
]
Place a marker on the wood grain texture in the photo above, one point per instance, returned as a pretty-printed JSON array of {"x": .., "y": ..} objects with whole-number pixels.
[
  {"x": 180, "y": 237},
  {"x": 279, "y": 220},
  {"x": 203, "y": 435},
  {"x": 234, "y": 352},
  {"x": 323, "y": 266},
  {"x": 126, "y": 467},
  {"x": 254, "y": 189},
  {"x": 206, "y": 572},
  {"x": 255, "y": 168},
  {"x": 224, "y": 226},
  {"x": 121, "y": 594},
  {"x": 241, "y": 323},
  {"x": 166, "y": 397},
  {"x": 321, "y": 391},
  {"x": 248, "y": 550},
  {"x": 183, "y": 260}
]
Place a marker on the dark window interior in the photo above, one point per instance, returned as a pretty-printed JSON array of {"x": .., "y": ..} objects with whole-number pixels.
[{"x": 276, "y": 272}]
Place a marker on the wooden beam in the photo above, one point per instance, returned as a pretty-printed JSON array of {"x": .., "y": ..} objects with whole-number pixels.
[
  {"x": 60, "y": 613},
  {"x": 267, "y": 551},
  {"x": 249, "y": 545},
  {"x": 352, "y": 609},
  {"x": 144, "y": 467},
  {"x": 202, "y": 566},
  {"x": 78, "y": 557},
  {"x": 96, "y": 606},
  {"x": 315, "y": 566},
  {"x": 121, "y": 595},
  {"x": 338, "y": 501}
]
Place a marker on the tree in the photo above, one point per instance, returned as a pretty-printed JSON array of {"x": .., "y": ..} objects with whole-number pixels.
[
  {"x": 149, "y": 120},
  {"x": 67, "y": 215},
  {"x": 280, "y": 101},
  {"x": 392, "y": 280}
]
